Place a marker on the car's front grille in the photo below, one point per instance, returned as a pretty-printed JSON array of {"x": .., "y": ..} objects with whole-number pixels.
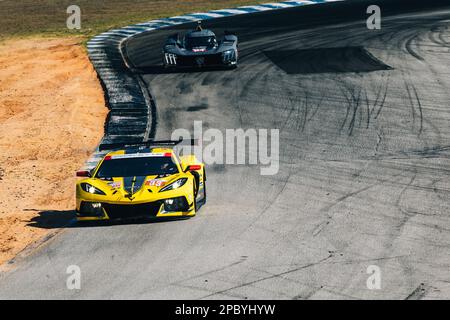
[
  {"x": 210, "y": 59},
  {"x": 116, "y": 211}
]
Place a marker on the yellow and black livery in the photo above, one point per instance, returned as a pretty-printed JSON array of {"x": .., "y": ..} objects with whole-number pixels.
[{"x": 147, "y": 180}]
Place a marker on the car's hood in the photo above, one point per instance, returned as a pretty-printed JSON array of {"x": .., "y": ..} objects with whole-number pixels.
[{"x": 132, "y": 187}]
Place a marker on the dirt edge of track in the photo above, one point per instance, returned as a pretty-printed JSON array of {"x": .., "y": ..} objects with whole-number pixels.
[{"x": 52, "y": 113}]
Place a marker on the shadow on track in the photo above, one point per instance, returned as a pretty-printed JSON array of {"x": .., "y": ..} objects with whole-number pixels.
[
  {"x": 158, "y": 69},
  {"x": 54, "y": 219},
  {"x": 326, "y": 60}
]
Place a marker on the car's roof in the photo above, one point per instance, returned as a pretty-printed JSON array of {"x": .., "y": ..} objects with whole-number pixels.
[
  {"x": 157, "y": 150},
  {"x": 200, "y": 33}
]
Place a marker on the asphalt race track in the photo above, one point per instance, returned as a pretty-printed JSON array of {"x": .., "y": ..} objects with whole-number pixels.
[{"x": 364, "y": 122}]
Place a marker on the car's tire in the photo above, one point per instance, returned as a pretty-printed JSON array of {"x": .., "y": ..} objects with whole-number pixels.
[
  {"x": 195, "y": 200},
  {"x": 204, "y": 187}
]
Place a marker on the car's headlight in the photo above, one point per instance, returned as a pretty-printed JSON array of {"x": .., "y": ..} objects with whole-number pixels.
[
  {"x": 91, "y": 189},
  {"x": 228, "y": 55},
  {"x": 174, "y": 185},
  {"x": 171, "y": 58},
  {"x": 175, "y": 204}
]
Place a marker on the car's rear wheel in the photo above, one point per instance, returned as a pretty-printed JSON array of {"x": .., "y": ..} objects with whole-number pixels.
[
  {"x": 203, "y": 201},
  {"x": 194, "y": 193},
  {"x": 204, "y": 193}
]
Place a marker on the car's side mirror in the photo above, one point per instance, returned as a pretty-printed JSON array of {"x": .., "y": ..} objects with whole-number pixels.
[
  {"x": 83, "y": 173},
  {"x": 193, "y": 167}
]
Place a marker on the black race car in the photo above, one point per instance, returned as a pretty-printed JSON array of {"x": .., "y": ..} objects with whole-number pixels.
[{"x": 201, "y": 48}]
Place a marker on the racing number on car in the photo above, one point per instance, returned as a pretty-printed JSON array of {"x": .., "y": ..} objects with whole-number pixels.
[{"x": 156, "y": 182}]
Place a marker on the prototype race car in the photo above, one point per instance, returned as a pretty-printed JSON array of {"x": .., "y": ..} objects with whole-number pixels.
[
  {"x": 139, "y": 181},
  {"x": 200, "y": 48}
]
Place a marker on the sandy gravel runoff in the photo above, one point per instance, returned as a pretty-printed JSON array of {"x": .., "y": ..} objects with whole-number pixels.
[{"x": 52, "y": 112}]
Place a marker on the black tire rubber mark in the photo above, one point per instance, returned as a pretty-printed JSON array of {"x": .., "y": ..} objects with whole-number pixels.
[
  {"x": 419, "y": 292},
  {"x": 413, "y": 105},
  {"x": 408, "y": 46},
  {"x": 272, "y": 276},
  {"x": 383, "y": 100},
  {"x": 349, "y": 104},
  {"x": 354, "y": 102}
]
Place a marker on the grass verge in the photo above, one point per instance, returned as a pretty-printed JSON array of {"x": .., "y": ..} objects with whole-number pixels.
[{"x": 48, "y": 17}]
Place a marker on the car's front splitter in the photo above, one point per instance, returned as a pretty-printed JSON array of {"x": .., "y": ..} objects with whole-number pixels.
[{"x": 119, "y": 211}]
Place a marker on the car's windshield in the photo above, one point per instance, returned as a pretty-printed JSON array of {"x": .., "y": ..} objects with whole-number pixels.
[
  {"x": 136, "y": 166},
  {"x": 195, "y": 42}
]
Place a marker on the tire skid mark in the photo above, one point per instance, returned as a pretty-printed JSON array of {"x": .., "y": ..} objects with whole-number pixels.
[
  {"x": 272, "y": 276},
  {"x": 367, "y": 108},
  {"x": 304, "y": 117},
  {"x": 427, "y": 152},
  {"x": 380, "y": 136},
  {"x": 410, "y": 50},
  {"x": 353, "y": 104},
  {"x": 317, "y": 107},
  {"x": 348, "y": 106},
  {"x": 269, "y": 204},
  {"x": 341, "y": 199},
  {"x": 292, "y": 103},
  {"x": 438, "y": 191},
  {"x": 383, "y": 100},
  {"x": 313, "y": 289},
  {"x": 233, "y": 264},
  {"x": 415, "y": 103},
  {"x": 356, "y": 107},
  {"x": 419, "y": 104},
  {"x": 208, "y": 291},
  {"x": 437, "y": 34},
  {"x": 419, "y": 292},
  {"x": 398, "y": 203}
]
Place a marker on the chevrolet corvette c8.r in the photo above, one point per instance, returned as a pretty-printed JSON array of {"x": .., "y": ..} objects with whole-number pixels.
[{"x": 141, "y": 181}]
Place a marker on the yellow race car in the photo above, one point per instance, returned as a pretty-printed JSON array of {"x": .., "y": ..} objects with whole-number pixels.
[{"x": 140, "y": 181}]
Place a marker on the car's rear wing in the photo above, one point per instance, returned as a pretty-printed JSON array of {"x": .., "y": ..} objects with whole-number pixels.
[{"x": 150, "y": 143}]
